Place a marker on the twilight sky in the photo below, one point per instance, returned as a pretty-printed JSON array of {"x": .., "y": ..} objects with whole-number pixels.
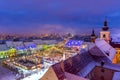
[{"x": 44, "y": 16}]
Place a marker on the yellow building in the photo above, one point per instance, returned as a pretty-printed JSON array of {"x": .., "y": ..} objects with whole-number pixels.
[{"x": 8, "y": 53}]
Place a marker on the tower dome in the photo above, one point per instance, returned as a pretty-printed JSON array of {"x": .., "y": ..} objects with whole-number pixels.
[
  {"x": 93, "y": 33},
  {"x": 105, "y": 33},
  {"x": 105, "y": 27}
]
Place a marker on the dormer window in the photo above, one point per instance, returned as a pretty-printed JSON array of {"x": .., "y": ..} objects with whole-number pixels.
[
  {"x": 107, "y": 53},
  {"x": 102, "y": 63}
]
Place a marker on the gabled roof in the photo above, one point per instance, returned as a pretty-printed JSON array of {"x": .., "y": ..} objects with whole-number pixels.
[
  {"x": 58, "y": 71},
  {"x": 102, "y": 48},
  {"x": 96, "y": 51},
  {"x": 77, "y": 62},
  {"x": 72, "y": 65}
]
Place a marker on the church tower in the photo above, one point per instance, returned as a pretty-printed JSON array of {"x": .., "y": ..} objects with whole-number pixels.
[
  {"x": 93, "y": 36},
  {"x": 105, "y": 33}
]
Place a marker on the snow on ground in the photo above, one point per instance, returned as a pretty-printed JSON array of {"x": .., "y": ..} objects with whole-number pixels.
[{"x": 36, "y": 76}]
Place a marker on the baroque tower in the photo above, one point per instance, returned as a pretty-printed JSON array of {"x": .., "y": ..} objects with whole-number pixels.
[
  {"x": 93, "y": 36},
  {"x": 105, "y": 33}
]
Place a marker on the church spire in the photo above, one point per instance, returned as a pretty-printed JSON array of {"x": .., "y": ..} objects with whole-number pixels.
[
  {"x": 105, "y": 33},
  {"x": 93, "y": 33},
  {"x": 93, "y": 36},
  {"x": 105, "y": 27},
  {"x": 105, "y": 22}
]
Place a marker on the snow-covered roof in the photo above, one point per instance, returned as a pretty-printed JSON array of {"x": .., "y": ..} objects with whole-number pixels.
[
  {"x": 3, "y": 47},
  {"x": 18, "y": 43},
  {"x": 74, "y": 43},
  {"x": 106, "y": 48},
  {"x": 102, "y": 48},
  {"x": 28, "y": 43},
  {"x": 87, "y": 69},
  {"x": 96, "y": 51},
  {"x": 9, "y": 43},
  {"x": 116, "y": 76},
  {"x": 37, "y": 42},
  {"x": 115, "y": 38},
  {"x": 49, "y": 41},
  {"x": 74, "y": 65}
]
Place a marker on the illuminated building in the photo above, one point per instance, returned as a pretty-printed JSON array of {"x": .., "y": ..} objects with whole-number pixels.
[
  {"x": 116, "y": 45},
  {"x": 5, "y": 52},
  {"x": 74, "y": 43},
  {"x": 93, "y": 36},
  {"x": 21, "y": 50},
  {"x": 30, "y": 46},
  {"x": 105, "y": 33}
]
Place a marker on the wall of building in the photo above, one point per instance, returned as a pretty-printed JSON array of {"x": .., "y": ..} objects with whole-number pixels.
[
  {"x": 50, "y": 75},
  {"x": 8, "y": 53},
  {"x": 99, "y": 73},
  {"x": 116, "y": 59},
  {"x": 106, "y": 37}
]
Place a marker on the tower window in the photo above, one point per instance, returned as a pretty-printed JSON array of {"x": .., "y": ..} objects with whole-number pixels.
[
  {"x": 104, "y": 35},
  {"x": 102, "y": 70}
]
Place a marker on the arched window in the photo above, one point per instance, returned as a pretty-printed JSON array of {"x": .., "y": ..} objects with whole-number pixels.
[{"x": 104, "y": 35}]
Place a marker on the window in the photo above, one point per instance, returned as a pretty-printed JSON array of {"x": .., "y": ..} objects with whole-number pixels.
[
  {"x": 104, "y": 35},
  {"x": 102, "y": 63},
  {"x": 107, "y": 54}
]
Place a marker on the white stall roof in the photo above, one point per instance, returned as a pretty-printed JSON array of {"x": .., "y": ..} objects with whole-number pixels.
[
  {"x": 18, "y": 43},
  {"x": 3, "y": 47},
  {"x": 38, "y": 41},
  {"x": 9, "y": 43}
]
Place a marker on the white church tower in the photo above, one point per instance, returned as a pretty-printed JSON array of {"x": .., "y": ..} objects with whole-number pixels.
[{"x": 105, "y": 33}]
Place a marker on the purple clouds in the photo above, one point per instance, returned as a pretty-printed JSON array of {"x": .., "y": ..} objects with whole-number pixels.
[{"x": 27, "y": 15}]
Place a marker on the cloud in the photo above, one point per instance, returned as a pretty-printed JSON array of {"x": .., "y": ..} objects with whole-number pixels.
[
  {"x": 76, "y": 16},
  {"x": 54, "y": 28}
]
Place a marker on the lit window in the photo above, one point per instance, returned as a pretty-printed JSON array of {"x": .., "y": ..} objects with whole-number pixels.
[{"x": 104, "y": 35}]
